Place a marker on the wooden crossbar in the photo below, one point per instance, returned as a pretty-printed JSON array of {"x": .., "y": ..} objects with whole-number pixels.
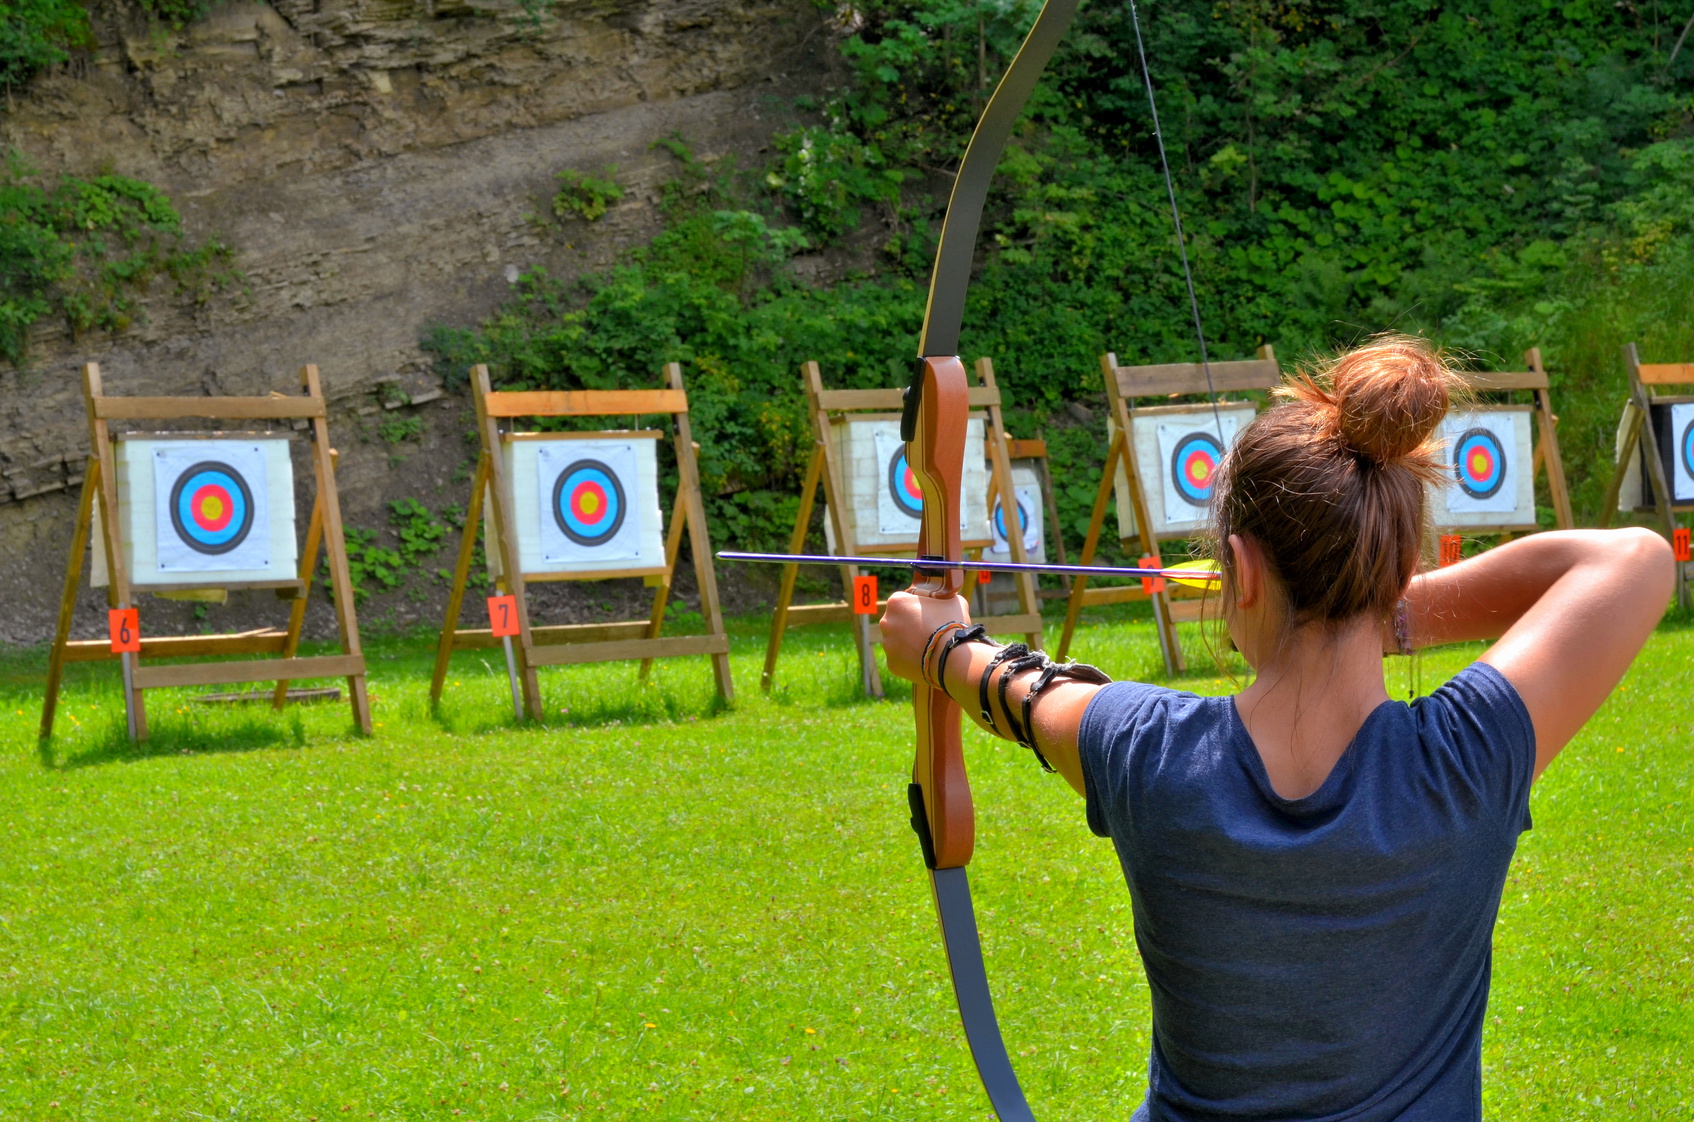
[
  {"x": 207, "y": 408},
  {"x": 268, "y": 640},
  {"x": 585, "y": 403},
  {"x": 1487, "y": 381},
  {"x": 1666, "y": 373},
  {"x": 253, "y": 670},
  {"x": 476, "y": 639},
  {"x": 1190, "y": 377},
  {"x": 565, "y": 654},
  {"x": 858, "y": 401}
]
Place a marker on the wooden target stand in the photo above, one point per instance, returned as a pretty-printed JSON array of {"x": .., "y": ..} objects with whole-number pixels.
[
  {"x": 1546, "y": 456},
  {"x": 100, "y": 487},
  {"x": 568, "y": 644},
  {"x": 1124, "y": 385},
  {"x": 1645, "y": 380},
  {"x": 831, "y": 407}
]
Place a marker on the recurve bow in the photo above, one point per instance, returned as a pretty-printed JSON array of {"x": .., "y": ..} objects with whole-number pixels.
[{"x": 937, "y": 406}]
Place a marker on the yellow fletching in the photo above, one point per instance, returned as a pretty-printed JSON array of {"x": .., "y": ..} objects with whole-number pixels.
[{"x": 1205, "y": 572}]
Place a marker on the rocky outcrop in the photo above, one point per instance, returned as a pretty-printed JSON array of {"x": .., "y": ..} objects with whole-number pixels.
[{"x": 378, "y": 166}]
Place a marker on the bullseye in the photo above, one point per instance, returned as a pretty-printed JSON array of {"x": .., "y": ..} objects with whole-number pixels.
[
  {"x": 588, "y": 502},
  {"x": 903, "y": 486},
  {"x": 211, "y": 507},
  {"x": 1479, "y": 463},
  {"x": 1193, "y": 464}
]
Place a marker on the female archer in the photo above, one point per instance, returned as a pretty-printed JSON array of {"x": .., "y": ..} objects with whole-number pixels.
[{"x": 1316, "y": 869}]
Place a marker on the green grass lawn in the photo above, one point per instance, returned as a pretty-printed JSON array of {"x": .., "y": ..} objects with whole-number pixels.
[{"x": 651, "y": 907}]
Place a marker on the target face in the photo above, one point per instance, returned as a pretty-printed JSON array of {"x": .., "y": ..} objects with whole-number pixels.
[
  {"x": 903, "y": 486},
  {"x": 1479, "y": 463},
  {"x": 1193, "y": 464},
  {"x": 589, "y": 502},
  {"x": 211, "y": 507},
  {"x": 1686, "y": 447}
]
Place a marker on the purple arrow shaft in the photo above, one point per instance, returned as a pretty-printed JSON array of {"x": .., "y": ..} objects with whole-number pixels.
[{"x": 989, "y": 566}]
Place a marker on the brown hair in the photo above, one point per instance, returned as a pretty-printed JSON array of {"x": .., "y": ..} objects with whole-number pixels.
[{"x": 1330, "y": 483}]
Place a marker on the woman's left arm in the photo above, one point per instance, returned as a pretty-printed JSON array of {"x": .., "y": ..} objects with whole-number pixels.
[{"x": 911, "y": 622}]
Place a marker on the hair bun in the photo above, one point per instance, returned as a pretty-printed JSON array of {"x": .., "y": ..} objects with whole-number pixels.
[{"x": 1387, "y": 396}]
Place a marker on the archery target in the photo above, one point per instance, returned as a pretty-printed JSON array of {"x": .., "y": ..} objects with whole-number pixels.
[
  {"x": 211, "y": 507},
  {"x": 583, "y": 490},
  {"x": 883, "y": 501},
  {"x": 1178, "y": 450},
  {"x": 197, "y": 509},
  {"x": 588, "y": 502},
  {"x": 1027, "y": 489},
  {"x": 1488, "y": 462},
  {"x": 1193, "y": 461},
  {"x": 1682, "y": 431},
  {"x": 585, "y": 504}
]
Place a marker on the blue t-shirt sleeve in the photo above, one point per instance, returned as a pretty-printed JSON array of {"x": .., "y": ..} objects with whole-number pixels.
[
  {"x": 1486, "y": 731},
  {"x": 1108, "y": 743}
]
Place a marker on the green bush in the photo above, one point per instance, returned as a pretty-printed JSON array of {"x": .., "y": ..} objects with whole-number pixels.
[
  {"x": 586, "y": 196},
  {"x": 35, "y": 34},
  {"x": 1493, "y": 176},
  {"x": 88, "y": 249}
]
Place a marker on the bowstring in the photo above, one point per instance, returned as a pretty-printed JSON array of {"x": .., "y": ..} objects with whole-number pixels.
[{"x": 1176, "y": 219}]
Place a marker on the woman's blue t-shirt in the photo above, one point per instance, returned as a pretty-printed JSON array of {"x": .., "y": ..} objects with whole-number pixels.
[{"x": 1322, "y": 958}]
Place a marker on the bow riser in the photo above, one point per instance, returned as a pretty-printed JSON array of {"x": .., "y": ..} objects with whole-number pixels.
[{"x": 936, "y": 455}]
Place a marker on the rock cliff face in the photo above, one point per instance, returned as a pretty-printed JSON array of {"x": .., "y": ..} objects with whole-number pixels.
[{"x": 378, "y": 166}]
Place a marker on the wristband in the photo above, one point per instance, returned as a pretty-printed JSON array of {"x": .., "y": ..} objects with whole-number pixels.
[
  {"x": 923, "y": 659},
  {"x": 975, "y": 634}
]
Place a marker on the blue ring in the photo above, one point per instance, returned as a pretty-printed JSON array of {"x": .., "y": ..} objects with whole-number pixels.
[{"x": 1688, "y": 448}]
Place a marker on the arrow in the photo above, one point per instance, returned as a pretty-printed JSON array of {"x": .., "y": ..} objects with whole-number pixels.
[{"x": 1194, "y": 574}]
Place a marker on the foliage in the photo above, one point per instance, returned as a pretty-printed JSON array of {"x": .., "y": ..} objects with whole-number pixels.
[
  {"x": 585, "y": 195},
  {"x": 375, "y": 567},
  {"x": 88, "y": 249},
  {"x": 456, "y": 914},
  {"x": 1495, "y": 177},
  {"x": 35, "y": 34},
  {"x": 398, "y": 430}
]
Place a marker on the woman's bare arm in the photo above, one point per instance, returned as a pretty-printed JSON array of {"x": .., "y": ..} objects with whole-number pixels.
[{"x": 1570, "y": 610}]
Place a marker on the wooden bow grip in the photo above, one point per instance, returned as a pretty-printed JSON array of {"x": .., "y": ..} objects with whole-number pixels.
[{"x": 937, "y": 458}]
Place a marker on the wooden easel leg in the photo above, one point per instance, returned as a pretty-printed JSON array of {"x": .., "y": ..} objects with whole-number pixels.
[
  {"x": 297, "y": 610},
  {"x": 1079, "y": 584},
  {"x": 335, "y": 545},
  {"x": 662, "y": 594},
  {"x": 1631, "y": 437},
  {"x": 67, "y": 601},
  {"x": 1169, "y": 644},
  {"x": 461, "y": 575},
  {"x": 132, "y": 700},
  {"x": 796, "y": 543}
]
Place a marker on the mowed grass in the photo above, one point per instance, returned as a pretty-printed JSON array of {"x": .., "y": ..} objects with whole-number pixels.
[{"x": 651, "y": 907}]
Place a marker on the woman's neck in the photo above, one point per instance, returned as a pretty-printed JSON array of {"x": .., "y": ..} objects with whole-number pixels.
[{"x": 1310, "y": 696}]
